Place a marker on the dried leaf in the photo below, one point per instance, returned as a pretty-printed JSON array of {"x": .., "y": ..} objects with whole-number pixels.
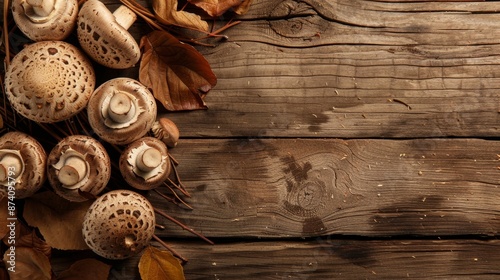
[
  {"x": 3, "y": 217},
  {"x": 166, "y": 12},
  {"x": 216, "y": 8},
  {"x": 27, "y": 263},
  {"x": 59, "y": 220},
  {"x": 243, "y": 7},
  {"x": 156, "y": 264},
  {"x": 80, "y": 271},
  {"x": 32, "y": 240},
  {"x": 177, "y": 74}
]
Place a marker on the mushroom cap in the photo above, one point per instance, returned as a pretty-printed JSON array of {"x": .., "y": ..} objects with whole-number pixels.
[
  {"x": 98, "y": 166},
  {"x": 49, "y": 81},
  {"x": 57, "y": 25},
  {"x": 139, "y": 179},
  {"x": 121, "y": 133},
  {"x": 34, "y": 159},
  {"x": 104, "y": 39},
  {"x": 119, "y": 224}
]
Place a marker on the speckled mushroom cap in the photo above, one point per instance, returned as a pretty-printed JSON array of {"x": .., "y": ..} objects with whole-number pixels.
[
  {"x": 119, "y": 224},
  {"x": 43, "y": 20},
  {"x": 121, "y": 111},
  {"x": 104, "y": 36},
  {"x": 22, "y": 164},
  {"x": 78, "y": 162},
  {"x": 49, "y": 81},
  {"x": 145, "y": 163}
]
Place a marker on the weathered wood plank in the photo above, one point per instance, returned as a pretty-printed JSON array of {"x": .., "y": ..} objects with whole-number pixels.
[
  {"x": 296, "y": 188},
  {"x": 327, "y": 258}
]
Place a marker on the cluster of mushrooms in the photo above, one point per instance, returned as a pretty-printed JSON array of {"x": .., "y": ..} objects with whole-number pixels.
[{"x": 50, "y": 81}]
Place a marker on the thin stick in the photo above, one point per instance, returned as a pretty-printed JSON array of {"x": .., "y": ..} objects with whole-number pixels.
[
  {"x": 168, "y": 198},
  {"x": 177, "y": 196},
  {"x": 6, "y": 5},
  {"x": 184, "y": 227},
  {"x": 184, "y": 260}
]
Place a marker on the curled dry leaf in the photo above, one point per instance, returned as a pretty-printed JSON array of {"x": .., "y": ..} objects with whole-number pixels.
[
  {"x": 243, "y": 7},
  {"x": 28, "y": 264},
  {"x": 80, "y": 271},
  {"x": 177, "y": 74},
  {"x": 59, "y": 220},
  {"x": 215, "y": 8},
  {"x": 156, "y": 264},
  {"x": 166, "y": 12}
]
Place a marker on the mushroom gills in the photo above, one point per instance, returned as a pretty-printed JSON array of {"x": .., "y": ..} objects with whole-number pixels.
[
  {"x": 120, "y": 110},
  {"x": 11, "y": 166},
  {"x": 146, "y": 161}
]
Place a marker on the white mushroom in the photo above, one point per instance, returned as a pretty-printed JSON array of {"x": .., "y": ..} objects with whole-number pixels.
[
  {"x": 104, "y": 36},
  {"x": 145, "y": 163},
  {"x": 49, "y": 81},
  {"x": 121, "y": 111},
  {"x": 166, "y": 130},
  {"x": 119, "y": 224},
  {"x": 44, "y": 20},
  {"x": 22, "y": 165},
  {"x": 78, "y": 164}
]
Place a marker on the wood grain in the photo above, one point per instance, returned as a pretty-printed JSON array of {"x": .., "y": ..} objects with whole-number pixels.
[{"x": 307, "y": 187}]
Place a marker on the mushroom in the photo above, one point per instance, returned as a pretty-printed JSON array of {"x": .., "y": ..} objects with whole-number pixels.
[
  {"x": 166, "y": 130},
  {"x": 145, "y": 163},
  {"x": 121, "y": 110},
  {"x": 44, "y": 20},
  {"x": 104, "y": 36},
  {"x": 77, "y": 164},
  {"x": 22, "y": 165},
  {"x": 119, "y": 224},
  {"x": 49, "y": 81}
]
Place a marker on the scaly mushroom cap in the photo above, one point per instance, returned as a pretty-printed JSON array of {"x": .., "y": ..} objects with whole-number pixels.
[
  {"x": 119, "y": 224},
  {"x": 78, "y": 163},
  {"x": 49, "y": 81},
  {"x": 121, "y": 111},
  {"x": 22, "y": 164},
  {"x": 104, "y": 36},
  {"x": 145, "y": 163},
  {"x": 166, "y": 130},
  {"x": 44, "y": 20}
]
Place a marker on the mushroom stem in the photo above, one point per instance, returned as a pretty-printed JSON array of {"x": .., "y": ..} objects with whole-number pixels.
[
  {"x": 42, "y": 7},
  {"x": 124, "y": 16},
  {"x": 10, "y": 167},
  {"x": 73, "y": 171},
  {"x": 149, "y": 159},
  {"x": 121, "y": 108}
]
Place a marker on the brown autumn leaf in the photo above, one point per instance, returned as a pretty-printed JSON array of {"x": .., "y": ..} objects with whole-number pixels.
[
  {"x": 166, "y": 12},
  {"x": 177, "y": 74},
  {"x": 28, "y": 263},
  {"x": 29, "y": 238},
  {"x": 80, "y": 270},
  {"x": 3, "y": 217},
  {"x": 216, "y": 8},
  {"x": 156, "y": 264},
  {"x": 59, "y": 220},
  {"x": 243, "y": 7}
]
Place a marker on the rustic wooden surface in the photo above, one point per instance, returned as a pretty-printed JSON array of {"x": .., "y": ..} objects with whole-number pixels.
[{"x": 345, "y": 139}]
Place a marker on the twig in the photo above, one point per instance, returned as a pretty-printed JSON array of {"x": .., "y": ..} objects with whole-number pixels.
[
  {"x": 184, "y": 260},
  {"x": 6, "y": 5},
  {"x": 184, "y": 227}
]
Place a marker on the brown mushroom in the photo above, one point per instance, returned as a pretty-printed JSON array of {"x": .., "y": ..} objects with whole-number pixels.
[
  {"x": 104, "y": 36},
  {"x": 166, "y": 130},
  {"x": 145, "y": 163},
  {"x": 78, "y": 163},
  {"x": 49, "y": 81},
  {"x": 121, "y": 111},
  {"x": 119, "y": 224},
  {"x": 22, "y": 165},
  {"x": 44, "y": 20}
]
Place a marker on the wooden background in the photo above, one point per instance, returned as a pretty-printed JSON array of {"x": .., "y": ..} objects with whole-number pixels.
[{"x": 344, "y": 139}]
